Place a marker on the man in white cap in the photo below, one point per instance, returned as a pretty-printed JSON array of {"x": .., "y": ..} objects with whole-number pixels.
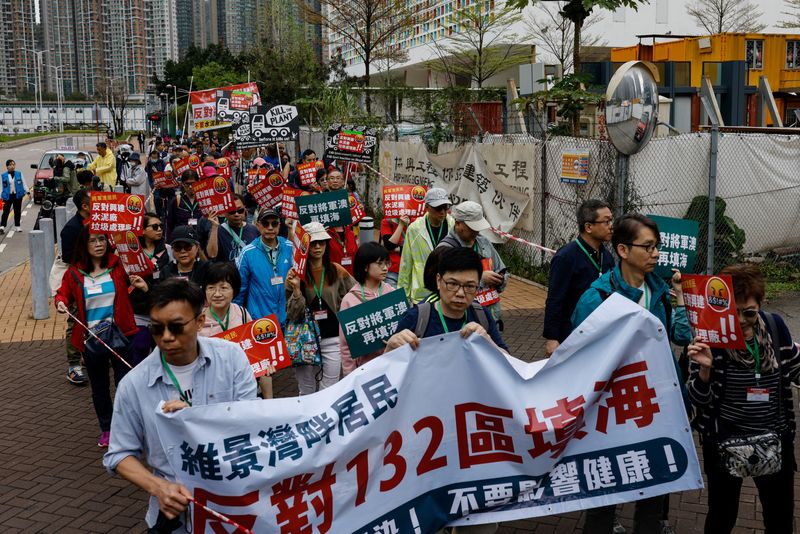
[
  {"x": 469, "y": 222},
  {"x": 422, "y": 236}
]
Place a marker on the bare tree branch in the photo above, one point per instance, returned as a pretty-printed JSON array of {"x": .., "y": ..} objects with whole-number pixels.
[
  {"x": 727, "y": 16},
  {"x": 793, "y": 7},
  {"x": 553, "y": 33}
]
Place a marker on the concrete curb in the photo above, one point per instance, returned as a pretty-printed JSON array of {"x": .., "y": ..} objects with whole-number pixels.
[
  {"x": 31, "y": 140},
  {"x": 526, "y": 281}
]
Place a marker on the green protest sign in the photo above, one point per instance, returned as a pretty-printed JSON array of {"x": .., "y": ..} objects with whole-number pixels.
[
  {"x": 331, "y": 209},
  {"x": 678, "y": 245},
  {"x": 369, "y": 325}
]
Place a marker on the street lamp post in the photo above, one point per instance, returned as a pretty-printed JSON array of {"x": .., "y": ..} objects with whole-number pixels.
[
  {"x": 38, "y": 84},
  {"x": 59, "y": 95},
  {"x": 165, "y": 106},
  {"x": 175, "y": 95}
]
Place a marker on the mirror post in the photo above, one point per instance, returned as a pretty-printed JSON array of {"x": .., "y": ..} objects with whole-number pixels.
[
  {"x": 712, "y": 198},
  {"x": 622, "y": 181}
]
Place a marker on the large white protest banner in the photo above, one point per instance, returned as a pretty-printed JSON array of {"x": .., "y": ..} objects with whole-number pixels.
[{"x": 453, "y": 433}]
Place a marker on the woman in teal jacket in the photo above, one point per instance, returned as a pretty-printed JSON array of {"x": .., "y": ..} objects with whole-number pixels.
[{"x": 636, "y": 241}]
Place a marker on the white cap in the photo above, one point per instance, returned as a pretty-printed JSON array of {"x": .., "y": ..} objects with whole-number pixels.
[{"x": 471, "y": 214}]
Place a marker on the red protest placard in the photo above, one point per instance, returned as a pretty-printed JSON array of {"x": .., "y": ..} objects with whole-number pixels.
[
  {"x": 254, "y": 176},
  {"x": 351, "y": 141},
  {"x": 164, "y": 180},
  {"x": 194, "y": 162},
  {"x": 356, "y": 209},
  {"x": 288, "y": 205},
  {"x": 308, "y": 173},
  {"x": 399, "y": 200},
  {"x": 116, "y": 212},
  {"x": 262, "y": 341},
  {"x": 712, "y": 311},
  {"x": 301, "y": 241},
  {"x": 214, "y": 195},
  {"x": 268, "y": 193},
  {"x": 224, "y": 167},
  {"x": 181, "y": 165},
  {"x": 131, "y": 254}
]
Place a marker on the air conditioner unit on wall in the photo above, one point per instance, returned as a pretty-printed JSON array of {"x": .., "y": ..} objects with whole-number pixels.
[{"x": 704, "y": 44}]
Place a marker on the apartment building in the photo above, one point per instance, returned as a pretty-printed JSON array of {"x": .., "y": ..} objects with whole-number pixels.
[{"x": 18, "y": 61}]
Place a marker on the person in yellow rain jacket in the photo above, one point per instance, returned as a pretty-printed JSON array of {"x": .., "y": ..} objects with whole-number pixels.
[{"x": 105, "y": 166}]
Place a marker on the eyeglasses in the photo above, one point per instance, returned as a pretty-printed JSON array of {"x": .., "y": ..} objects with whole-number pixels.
[
  {"x": 175, "y": 328},
  {"x": 156, "y": 226},
  {"x": 383, "y": 263},
  {"x": 219, "y": 289},
  {"x": 454, "y": 286},
  {"x": 749, "y": 313},
  {"x": 443, "y": 207},
  {"x": 607, "y": 222},
  {"x": 182, "y": 246},
  {"x": 648, "y": 248},
  {"x": 271, "y": 224},
  {"x": 240, "y": 211},
  {"x": 98, "y": 239}
]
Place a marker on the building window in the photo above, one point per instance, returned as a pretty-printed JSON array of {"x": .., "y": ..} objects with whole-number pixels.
[
  {"x": 793, "y": 54},
  {"x": 683, "y": 74},
  {"x": 754, "y": 54}
]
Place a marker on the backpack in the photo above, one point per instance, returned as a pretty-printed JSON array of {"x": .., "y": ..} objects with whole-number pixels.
[{"x": 424, "y": 317}]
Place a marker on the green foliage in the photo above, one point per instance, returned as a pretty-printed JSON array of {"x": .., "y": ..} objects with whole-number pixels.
[
  {"x": 572, "y": 97},
  {"x": 588, "y": 5},
  {"x": 781, "y": 276},
  {"x": 214, "y": 74},
  {"x": 179, "y": 73},
  {"x": 729, "y": 238},
  {"x": 327, "y": 105},
  {"x": 523, "y": 265}
]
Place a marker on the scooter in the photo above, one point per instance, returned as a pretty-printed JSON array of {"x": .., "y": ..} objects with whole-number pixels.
[{"x": 52, "y": 198}]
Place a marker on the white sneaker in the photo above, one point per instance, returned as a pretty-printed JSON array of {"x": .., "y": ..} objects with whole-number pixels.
[{"x": 17, "y": 228}]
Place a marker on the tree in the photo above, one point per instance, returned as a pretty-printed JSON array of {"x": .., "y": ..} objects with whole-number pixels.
[
  {"x": 553, "y": 33},
  {"x": 482, "y": 45},
  {"x": 369, "y": 26},
  {"x": 179, "y": 73},
  {"x": 727, "y": 16},
  {"x": 794, "y": 15},
  {"x": 113, "y": 91},
  {"x": 212, "y": 75}
]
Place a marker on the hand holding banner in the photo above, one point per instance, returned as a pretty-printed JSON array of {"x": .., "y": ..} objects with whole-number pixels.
[
  {"x": 301, "y": 241},
  {"x": 131, "y": 254},
  {"x": 711, "y": 310},
  {"x": 268, "y": 193},
  {"x": 213, "y": 195},
  {"x": 262, "y": 341},
  {"x": 678, "y": 245},
  {"x": 356, "y": 209},
  {"x": 289, "y": 204},
  {"x": 116, "y": 212},
  {"x": 331, "y": 209},
  {"x": 400, "y": 200},
  {"x": 164, "y": 180},
  {"x": 308, "y": 173},
  {"x": 369, "y": 325}
]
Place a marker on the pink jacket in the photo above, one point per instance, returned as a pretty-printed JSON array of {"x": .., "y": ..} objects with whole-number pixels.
[{"x": 353, "y": 298}]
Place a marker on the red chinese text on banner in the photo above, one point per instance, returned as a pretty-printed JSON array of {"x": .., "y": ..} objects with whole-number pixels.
[
  {"x": 223, "y": 167},
  {"x": 301, "y": 241},
  {"x": 116, "y": 212},
  {"x": 308, "y": 173},
  {"x": 180, "y": 165},
  {"x": 266, "y": 194},
  {"x": 351, "y": 141},
  {"x": 131, "y": 254},
  {"x": 288, "y": 205},
  {"x": 400, "y": 200},
  {"x": 262, "y": 341},
  {"x": 712, "y": 311},
  {"x": 356, "y": 209},
  {"x": 254, "y": 176},
  {"x": 487, "y": 296},
  {"x": 214, "y": 195},
  {"x": 164, "y": 180}
]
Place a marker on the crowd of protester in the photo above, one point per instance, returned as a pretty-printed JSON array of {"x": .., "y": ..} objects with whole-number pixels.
[{"x": 213, "y": 272}]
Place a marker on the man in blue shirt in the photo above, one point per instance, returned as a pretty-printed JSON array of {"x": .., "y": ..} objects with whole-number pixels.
[
  {"x": 573, "y": 269},
  {"x": 263, "y": 265},
  {"x": 184, "y": 370},
  {"x": 14, "y": 190},
  {"x": 457, "y": 279}
]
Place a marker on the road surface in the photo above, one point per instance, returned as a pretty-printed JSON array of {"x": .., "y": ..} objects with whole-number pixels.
[{"x": 14, "y": 245}]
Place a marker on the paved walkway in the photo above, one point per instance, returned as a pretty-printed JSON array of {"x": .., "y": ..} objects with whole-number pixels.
[{"x": 53, "y": 481}]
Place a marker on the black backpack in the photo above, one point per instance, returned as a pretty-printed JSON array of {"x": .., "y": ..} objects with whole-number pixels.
[{"x": 425, "y": 316}]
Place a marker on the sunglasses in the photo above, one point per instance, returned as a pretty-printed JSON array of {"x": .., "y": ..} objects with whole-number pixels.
[
  {"x": 748, "y": 314},
  {"x": 271, "y": 224},
  {"x": 156, "y": 226},
  {"x": 175, "y": 328},
  {"x": 240, "y": 211},
  {"x": 443, "y": 207},
  {"x": 182, "y": 246}
]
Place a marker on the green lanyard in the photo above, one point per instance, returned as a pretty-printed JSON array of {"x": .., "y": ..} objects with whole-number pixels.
[
  {"x": 342, "y": 243},
  {"x": 219, "y": 321},
  {"x": 441, "y": 318},
  {"x": 233, "y": 235},
  {"x": 364, "y": 297},
  {"x": 175, "y": 382},
  {"x": 188, "y": 207},
  {"x": 591, "y": 259},
  {"x": 84, "y": 273},
  {"x": 268, "y": 254},
  {"x": 647, "y": 294},
  {"x": 755, "y": 352},
  {"x": 430, "y": 232},
  {"x": 151, "y": 256},
  {"x": 318, "y": 290}
]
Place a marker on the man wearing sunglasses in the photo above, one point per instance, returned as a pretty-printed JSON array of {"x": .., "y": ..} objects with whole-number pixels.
[
  {"x": 422, "y": 236},
  {"x": 227, "y": 240},
  {"x": 263, "y": 266},
  {"x": 636, "y": 241},
  {"x": 183, "y": 370}
]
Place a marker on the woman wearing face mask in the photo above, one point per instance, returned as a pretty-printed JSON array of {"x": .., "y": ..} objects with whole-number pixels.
[
  {"x": 97, "y": 284},
  {"x": 747, "y": 394},
  {"x": 321, "y": 291},
  {"x": 370, "y": 267}
]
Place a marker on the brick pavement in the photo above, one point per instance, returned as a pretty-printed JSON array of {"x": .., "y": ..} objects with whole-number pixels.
[{"x": 53, "y": 480}]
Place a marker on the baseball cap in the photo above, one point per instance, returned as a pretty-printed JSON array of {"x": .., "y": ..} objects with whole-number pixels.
[
  {"x": 316, "y": 231},
  {"x": 135, "y": 157},
  {"x": 471, "y": 214},
  {"x": 184, "y": 234},
  {"x": 210, "y": 171},
  {"x": 264, "y": 214},
  {"x": 436, "y": 196},
  {"x": 259, "y": 161}
]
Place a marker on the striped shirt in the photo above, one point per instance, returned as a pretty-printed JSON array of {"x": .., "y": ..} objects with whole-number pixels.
[
  {"x": 750, "y": 417},
  {"x": 98, "y": 294}
]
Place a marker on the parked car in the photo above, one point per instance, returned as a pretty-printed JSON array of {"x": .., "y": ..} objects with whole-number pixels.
[{"x": 44, "y": 170}]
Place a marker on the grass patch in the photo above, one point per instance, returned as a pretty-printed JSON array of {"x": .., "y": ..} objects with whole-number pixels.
[
  {"x": 5, "y": 138},
  {"x": 781, "y": 276}
]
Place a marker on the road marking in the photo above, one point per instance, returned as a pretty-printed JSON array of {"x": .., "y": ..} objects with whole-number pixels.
[
  {"x": 24, "y": 213},
  {"x": 10, "y": 234},
  {"x": 2, "y": 247}
]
